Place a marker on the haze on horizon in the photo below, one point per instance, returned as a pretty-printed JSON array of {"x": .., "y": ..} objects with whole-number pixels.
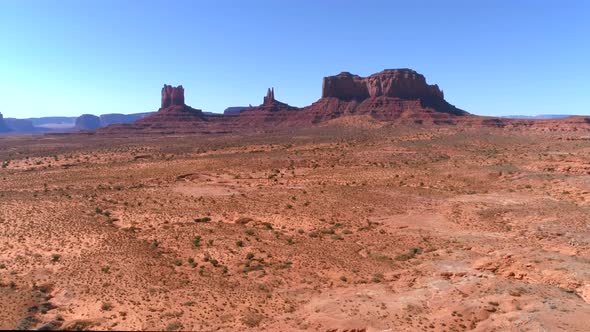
[{"x": 490, "y": 57}]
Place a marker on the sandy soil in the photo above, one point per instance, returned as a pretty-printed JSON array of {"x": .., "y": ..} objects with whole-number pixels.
[{"x": 337, "y": 228}]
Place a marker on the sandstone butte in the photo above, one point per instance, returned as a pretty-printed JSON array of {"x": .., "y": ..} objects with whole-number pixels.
[{"x": 392, "y": 96}]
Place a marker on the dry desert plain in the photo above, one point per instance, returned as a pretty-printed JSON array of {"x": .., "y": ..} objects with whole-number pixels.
[{"x": 333, "y": 228}]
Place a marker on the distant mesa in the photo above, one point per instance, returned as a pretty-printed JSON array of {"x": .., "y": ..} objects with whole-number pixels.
[
  {"x": 234, "y": 110},
  {"x": 20, "y": 125},
  {"x": 87, "y": 122},
  {"x": 3, "y": 127},
  {"x": 116, "y": 118}
]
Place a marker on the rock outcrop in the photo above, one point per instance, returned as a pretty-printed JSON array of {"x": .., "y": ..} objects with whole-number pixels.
[
  {"x": 173, "y": 116},
  {"x": 390, "y": 88},
  {"x": 172, "y": 96},
  {"x": 400, "y": 96},
  {"x": 87, "y": 122},
  {"x": 3, "y": 127},
  {"x": 270, "y": 97},
  {"x": 270, "y": 104},
  {"x": 397, "y": 83}
]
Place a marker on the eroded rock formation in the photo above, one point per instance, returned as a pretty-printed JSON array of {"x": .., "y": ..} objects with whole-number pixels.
[
  {"x": 173, "y": 116},
  {"x": 270, "y": 104},
  {"x": 172, "y": 96},
  {"x": 388, "y": 95},
  {"x": 397, "y": 83},
  {"x": 270, "y": 97}
]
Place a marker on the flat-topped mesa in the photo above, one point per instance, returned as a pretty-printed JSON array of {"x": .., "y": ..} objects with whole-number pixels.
[
  {"x": 172, "y": 96},
  {"x": 397, "y": 83},
  {"x": 391, "y": 90},
  {"x": 87, "y": 122}
]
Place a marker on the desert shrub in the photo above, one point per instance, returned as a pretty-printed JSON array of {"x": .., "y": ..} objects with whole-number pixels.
[
  {"x": 243, "y": 220},
  {"x": 197, "y": 241},
  {"x": 240, "y": 243},
  {"x": 409, "y": 255},
  {"x": 252, "y": 319},
  {"x": 174, "y": 326},
  {"x": 106, "y": 306},
  {"x": 26, "y": 323},
  {"x": 249, "y": 256},
  {"x": 204, "y": 219},
  {"x": 377, "y": 277},
  {"x": 55, "y": 257}
]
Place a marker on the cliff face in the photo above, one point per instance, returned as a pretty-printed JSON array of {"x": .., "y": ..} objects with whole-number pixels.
[
  {"x": 172, "y": 96},
  {"x": 174, "y": 115},
  {"x": 389, "y": 93},
  {"x": 397, "y": 83}
]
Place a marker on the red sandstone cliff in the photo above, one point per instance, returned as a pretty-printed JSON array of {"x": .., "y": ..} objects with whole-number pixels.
[
  {"x": 173, "y": 112},
  {"x": 390, "y": 95}
]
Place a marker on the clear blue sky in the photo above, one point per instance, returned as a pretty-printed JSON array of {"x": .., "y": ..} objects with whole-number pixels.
[{"x": 68, "y": 57}]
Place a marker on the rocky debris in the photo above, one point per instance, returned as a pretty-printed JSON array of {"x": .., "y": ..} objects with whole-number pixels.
[
  {"x": 3, "y": 127},
  {"x": 172, "y": 96},
  {"x": 87, "y": 122}
]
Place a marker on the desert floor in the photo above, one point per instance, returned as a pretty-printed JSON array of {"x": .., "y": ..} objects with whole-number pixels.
[{"x": 327, "y": 229}]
